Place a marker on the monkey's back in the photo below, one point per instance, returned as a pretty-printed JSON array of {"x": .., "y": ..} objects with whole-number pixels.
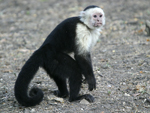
[{"x": 62, "y": 38}]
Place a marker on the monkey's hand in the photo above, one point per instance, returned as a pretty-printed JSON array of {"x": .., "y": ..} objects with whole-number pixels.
[{"x": 92, "y": 83}]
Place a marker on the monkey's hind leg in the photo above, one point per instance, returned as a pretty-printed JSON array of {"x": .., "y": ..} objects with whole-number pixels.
[
  {"x": 53, "y": 69},
  {"x": 62, "y": 87},
  {"x": 68, "y": 68}
]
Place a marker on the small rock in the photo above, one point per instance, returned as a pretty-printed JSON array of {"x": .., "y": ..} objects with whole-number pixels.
[
  {"x": 7, "y": 63},
  {"x": 32, "y": 110},
  {"x": 148, "y": 100},
  {"x": 124, "y": 83},
  {"x": 126, "y": 95},
  {"x": 109, "y": 86},
  {"x": 124, "y": 103},
  {"x": 15, "y": 104},
  {"x": 148, "y": 88},
  {"x": 84, "y": 102},
  {"x": 147, "y": 29},
  {"x": 82, "y": 109},
  {"x": 128, "y": 108},
  {"x": 104, "y": 66},
  {"x": 10, "y": 99},
  {"x": 26, "y": 110}
]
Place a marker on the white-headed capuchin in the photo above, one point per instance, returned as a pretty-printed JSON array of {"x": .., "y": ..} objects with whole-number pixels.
[{"x": 75, "y": 34}]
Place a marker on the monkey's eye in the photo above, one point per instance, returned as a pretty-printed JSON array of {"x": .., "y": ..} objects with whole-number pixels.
[
  {"x": 94, "y": 16},
  {"x": 100, "y": 16}
]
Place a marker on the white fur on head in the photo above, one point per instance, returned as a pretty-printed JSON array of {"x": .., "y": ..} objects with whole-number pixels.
[{"x": 87, "y": 14}]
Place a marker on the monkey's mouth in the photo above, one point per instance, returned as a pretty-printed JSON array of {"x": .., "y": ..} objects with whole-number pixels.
[{"x": 98, "y": 24}]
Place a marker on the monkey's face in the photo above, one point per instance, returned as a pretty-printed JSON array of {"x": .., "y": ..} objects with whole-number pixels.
[
  {"x": 97, "y": 19},
  {"x": 93, "y": 18}
]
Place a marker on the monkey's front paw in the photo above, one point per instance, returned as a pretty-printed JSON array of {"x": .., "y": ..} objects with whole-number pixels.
[{"x": 92, "y": 84}]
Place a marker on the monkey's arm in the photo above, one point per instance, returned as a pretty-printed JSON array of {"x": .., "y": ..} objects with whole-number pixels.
[{"x": 85, "y": 65}]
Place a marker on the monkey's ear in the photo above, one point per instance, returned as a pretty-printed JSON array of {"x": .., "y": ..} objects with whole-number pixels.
[{"x": 82, "y": 14}]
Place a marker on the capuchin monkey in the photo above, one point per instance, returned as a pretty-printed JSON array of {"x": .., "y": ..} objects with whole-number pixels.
[{"x": 75, "y": 34}]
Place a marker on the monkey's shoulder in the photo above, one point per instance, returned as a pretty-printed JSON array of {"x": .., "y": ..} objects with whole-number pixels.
[
  {"x": 72, "y": 19},
  {"x": 71, "y": 23}
]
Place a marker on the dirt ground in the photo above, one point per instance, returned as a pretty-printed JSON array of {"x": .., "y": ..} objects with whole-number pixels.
[{"x": 121, "y": 56}]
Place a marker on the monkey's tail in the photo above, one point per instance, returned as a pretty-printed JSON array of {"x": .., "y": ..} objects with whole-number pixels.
[{"x": 27, "y": 73}]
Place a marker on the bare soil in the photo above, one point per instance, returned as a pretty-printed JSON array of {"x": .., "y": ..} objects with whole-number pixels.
[{"x": 121, "y": 56}]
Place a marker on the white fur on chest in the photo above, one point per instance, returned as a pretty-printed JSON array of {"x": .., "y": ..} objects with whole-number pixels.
[{"x": 85, "y": 38}]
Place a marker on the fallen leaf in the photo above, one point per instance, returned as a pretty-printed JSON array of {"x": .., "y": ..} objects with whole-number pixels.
[
  {"x": 135, "y": 19},
  {"x": 148, "y": 55},
  {"x": 137, "y": 94},
  {"x": 23, "y": 50},
  {"x": 140, "y": 87},
  {"x": 57, "y": 99},
  {"x": 7, "y": 71},
  {"x": 3, "y": 40},
  {"x": 104, "y": 60},
  {"x": 141, "y": 72},
  {"x": 140, "y": 31}
]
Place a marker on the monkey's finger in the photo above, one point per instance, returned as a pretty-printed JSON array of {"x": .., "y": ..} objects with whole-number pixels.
[{"x": 91, "y": 87}]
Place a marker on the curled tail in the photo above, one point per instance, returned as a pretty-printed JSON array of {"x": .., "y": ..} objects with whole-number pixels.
[{"x": 35, "y": 95}]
